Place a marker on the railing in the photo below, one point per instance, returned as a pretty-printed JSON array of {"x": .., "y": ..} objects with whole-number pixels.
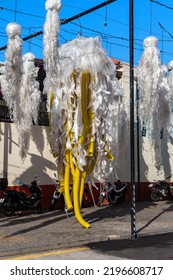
[{"x": 43, "y": 119}]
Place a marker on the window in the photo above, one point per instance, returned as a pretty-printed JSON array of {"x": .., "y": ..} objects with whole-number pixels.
[{"x": 42, "y": 114}]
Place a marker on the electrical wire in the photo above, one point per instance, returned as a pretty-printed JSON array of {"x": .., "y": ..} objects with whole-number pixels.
[
  {"x": 156, "y": 20},
  {"x": 18, "y": 12},
  {"x": 165, "y": 30},
  {"x": 163, "y": 5},
  {"x": 102, "y": 35}
]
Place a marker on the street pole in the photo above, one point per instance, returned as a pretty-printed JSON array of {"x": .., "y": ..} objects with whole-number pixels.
[
  {"x": 138, "y": 137},
  {"x": 132, "y": 142}
]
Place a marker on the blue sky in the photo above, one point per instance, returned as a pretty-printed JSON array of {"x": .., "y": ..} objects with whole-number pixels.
[{"x": 149, "y": 19}]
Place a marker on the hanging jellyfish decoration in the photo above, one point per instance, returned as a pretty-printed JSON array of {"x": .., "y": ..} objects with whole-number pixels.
[
  {"x": 170, "y": 77},
  {"x": 20, "y": 88},
  {"x": 85, "y": 105},
  {"x": 29, "y": 103},
  {"x": 12, "y": 69},
  {"x": 155, "y": 95},
  {"x": 170, "y": 82}
]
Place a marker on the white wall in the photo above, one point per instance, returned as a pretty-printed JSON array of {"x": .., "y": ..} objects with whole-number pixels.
[
  {"x": 148, "y": 172},
  {"x": 39, "y": 159}
]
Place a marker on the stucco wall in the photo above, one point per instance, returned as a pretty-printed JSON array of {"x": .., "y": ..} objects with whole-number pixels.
[
  {"x": 39, "y": 159},
  {"x": 148, "y": 171}
]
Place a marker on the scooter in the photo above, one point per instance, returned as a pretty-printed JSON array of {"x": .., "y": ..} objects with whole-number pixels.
[
  {"x": 113, "y": 193},
  {"x": 15, "y": 201},
  {"x": 57, "y": 196},
  {"x": 161, "y": 189}
]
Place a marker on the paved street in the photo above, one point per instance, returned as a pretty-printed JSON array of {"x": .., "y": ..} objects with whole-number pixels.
[
  {"x": 110, "y": 232},
  {"x": 154, "y": 247}
]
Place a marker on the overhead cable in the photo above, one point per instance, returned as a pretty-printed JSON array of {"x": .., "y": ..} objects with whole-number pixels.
[
  {"x": 165, "y": 30},
  {"x": 163, "y": 5},
  {"x": 18, "y": 12},
  {"x": 65, "y": 21}
]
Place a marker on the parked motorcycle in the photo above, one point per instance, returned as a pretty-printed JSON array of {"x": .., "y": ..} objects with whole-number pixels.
[
  {"x": 160, "y": 189},
  {"x": 113, "y": 193},
  {"x": 57, "y": 196},
  {"x": 15, "y": 201}
]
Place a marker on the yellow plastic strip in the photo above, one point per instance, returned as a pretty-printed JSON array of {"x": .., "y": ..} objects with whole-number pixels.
[
  {"x": 84, "y": 105},
  {"x": 67, "y": 182},
  {"x": 82, "y": 186},
  {"x": 72, "y": 166},
  {"x": 109, "y": 155},
  {"x": 76, "y": 185}
]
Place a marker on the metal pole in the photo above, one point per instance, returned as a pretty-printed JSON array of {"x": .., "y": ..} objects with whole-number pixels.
[
  {"x": 132, "y": 151},
  {"x": 138, "y": 138}
]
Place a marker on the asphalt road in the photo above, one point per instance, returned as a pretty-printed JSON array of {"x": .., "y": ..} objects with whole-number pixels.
[
  {"x": 53, "y": 234},
  {"x": 155, "y": 247}
]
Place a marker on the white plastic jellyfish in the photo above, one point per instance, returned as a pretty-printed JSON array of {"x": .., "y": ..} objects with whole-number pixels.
[
  {"x": 170, "y": 77},
  {"x": 165, "y": 97},
  {"x": 149, "y": 74},
  {"x": 50, "y": 52},
  {"x": 85, "y": 113},
  {"x": 84, "y": 103},
  {"x": 155, "y": 95},
  {"x": 29, "y": 102},
  {"x": 13, "y": 69},
  {"x": 170, "y": 82},
  {"x": 20, "y": 88}
]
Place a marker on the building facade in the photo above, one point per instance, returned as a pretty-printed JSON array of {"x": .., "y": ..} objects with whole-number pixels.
[{"x": 40, "y": 160}]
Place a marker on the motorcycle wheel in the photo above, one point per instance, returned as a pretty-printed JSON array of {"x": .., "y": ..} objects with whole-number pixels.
[
  {"x": 100, "y": 200},
  {"x": 39, "y": 208},
  {"x": 53, "y": 204},
  {"x": 154, "y": 196},
  {"x": 6, "y": 210},
  {"x": 121, "y": 199}
]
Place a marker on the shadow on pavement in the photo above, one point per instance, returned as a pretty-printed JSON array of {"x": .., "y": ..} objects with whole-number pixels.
[
  {"x": 170, "y": 208},
  {"x": 26, "y": 217},
  {"x": 120, "y": 212},
  {"x": 154, "y": 247},
  {"x": 44, "y": 223}
]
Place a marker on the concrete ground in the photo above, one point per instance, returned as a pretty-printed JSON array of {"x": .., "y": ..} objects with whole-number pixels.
[{"x": 29, "y": 232}]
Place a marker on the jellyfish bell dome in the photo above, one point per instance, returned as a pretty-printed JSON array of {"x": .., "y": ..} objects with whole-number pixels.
[
  {"x": 13, "y": 29},
  {"x": 150, "y": 41},
  {"x": 53, "y": 4},
  {"x": 170, "y": 65},
  {"x": 28, "y": 57}
]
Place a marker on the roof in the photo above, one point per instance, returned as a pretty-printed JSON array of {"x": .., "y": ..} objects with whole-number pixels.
[
  {"x": 118, "y": 67},
  {"x": 116, "y": 61}
]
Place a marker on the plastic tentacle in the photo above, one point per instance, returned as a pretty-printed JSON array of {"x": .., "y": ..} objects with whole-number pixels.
[
  {"x": 84, "y": 103},
  {"x": 76, "y": 185},
  {"x": 67, "y": 182}
]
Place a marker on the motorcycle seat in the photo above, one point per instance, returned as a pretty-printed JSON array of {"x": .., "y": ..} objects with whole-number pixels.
[
  {"x": 31, "y": 196},
  {"x": 163, "y": 185},
  {"x": 120, "y": 186}
]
